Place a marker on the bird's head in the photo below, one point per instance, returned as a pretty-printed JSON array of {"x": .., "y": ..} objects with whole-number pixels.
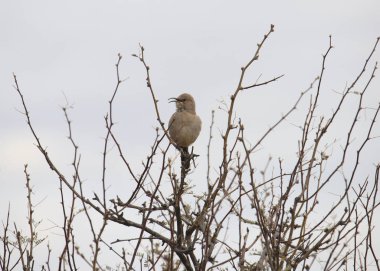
[{"x": 184, "y": 102}]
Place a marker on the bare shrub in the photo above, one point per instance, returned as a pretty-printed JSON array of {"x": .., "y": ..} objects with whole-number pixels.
[{"x": 280, "y": 217}]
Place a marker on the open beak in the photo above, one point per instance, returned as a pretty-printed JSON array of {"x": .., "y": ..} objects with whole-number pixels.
[{"x": 172, "y": 100}]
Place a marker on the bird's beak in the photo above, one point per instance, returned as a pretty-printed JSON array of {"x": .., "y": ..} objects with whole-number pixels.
[{"x": 172, "y": 100}]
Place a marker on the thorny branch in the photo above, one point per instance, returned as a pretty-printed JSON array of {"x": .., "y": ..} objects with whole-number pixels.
[{"x": 246, "y": 220}]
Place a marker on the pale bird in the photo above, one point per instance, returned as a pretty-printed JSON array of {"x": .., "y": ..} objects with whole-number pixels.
[{"x": 184, "y": 125}]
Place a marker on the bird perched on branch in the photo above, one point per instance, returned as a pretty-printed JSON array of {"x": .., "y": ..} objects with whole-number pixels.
[{"x": 184, "y": 126}]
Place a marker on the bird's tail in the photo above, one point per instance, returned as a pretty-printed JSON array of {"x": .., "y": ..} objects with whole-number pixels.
[{"x": 185, "y": 158}]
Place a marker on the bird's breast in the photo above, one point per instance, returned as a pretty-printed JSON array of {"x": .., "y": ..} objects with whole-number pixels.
[{"x": 184, "y": 128}]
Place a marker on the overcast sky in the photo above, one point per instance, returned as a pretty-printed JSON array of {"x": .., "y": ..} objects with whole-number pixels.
[{"x": 68, "y": 49}]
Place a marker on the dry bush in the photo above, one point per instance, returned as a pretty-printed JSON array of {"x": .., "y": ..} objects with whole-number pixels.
[{"x": 280, "y": 217}]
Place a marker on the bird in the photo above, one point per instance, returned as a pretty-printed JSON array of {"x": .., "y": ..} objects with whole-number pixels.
[{"x": 184, "y": 126}]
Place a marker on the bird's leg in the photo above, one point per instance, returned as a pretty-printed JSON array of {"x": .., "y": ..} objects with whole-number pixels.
[{"x": 185, "y": 158}]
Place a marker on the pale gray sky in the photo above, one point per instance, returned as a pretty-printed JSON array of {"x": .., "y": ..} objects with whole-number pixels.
[{"x": 71, "y": 47}]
